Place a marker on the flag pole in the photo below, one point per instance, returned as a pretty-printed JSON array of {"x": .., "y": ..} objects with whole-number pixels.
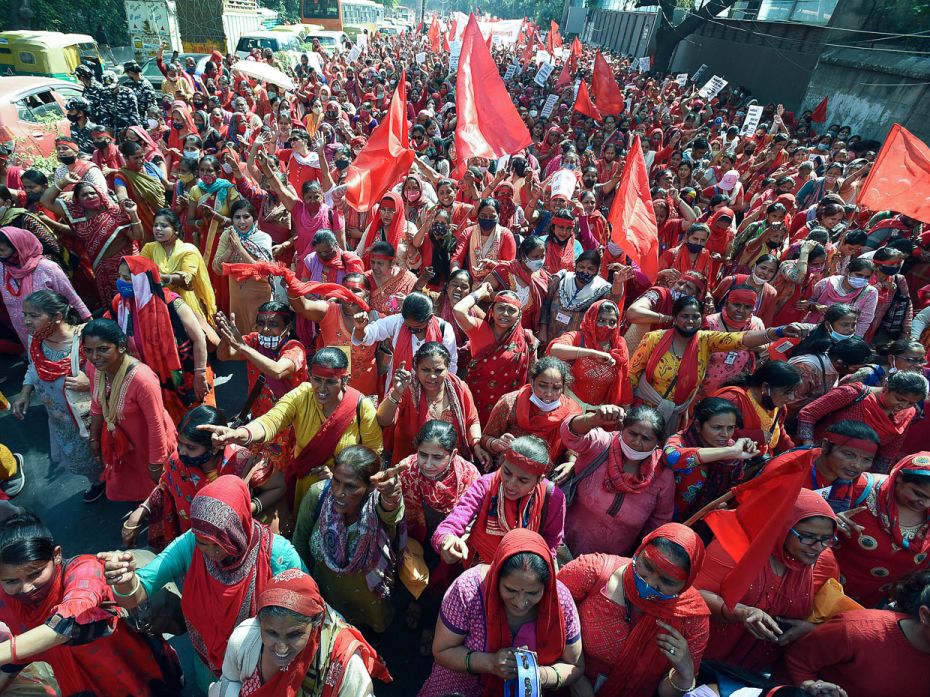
[{"x": 713, "y": 505}]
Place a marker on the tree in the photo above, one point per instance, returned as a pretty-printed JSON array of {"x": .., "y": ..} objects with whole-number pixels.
[{"x": 668, "y": 36}]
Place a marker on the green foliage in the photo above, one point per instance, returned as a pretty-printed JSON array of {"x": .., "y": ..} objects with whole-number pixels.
[
  {"x": 288, "y": 10},
  {"x": 105, "y": 20},
  {"x": 541, "y": 12}
]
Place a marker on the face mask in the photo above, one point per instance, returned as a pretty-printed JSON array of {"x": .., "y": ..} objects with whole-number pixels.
[
  {"x": 535, "y": 264},
  {"x": 227, "y": 168},
  {"x": 857, "y": 282},
  {"x": 687, "y": 333},
  {"x": 73, "y": 118},
  {"x": 198, "y": 461},
  {"x": 208, "y": 179},
  {"x": 67, "y": 159},
  {"x": 570, "y": 166},
  {"x": 694, "y": 248},
  {"x": 342, "y": 165},
  {"x": 269, "y": 342},
  {"x": 152, "y": 123},
  {"x": 584, "y": 277},
  {"x": 755, "y": 279},
  {"x": 545, "y": 406},
  {"x": 647, "y": 592},
  {"x": 438, "y": 231},
  {"x": 487, "y": 224},
  {"x": 890, "y": 270},
  {"x": 519, "y": 169},
  {"x": 816, "y": 270},
  {"x": 633, "y": 454},
  {"x": 33, "y": 196},
  {"x": 177, "y": 126},
  {"x": 124, "y": 288},
  {"x": 192, "y": 154},
  {"x": 415, "y": 196},
  {"x": 101, "y": 144},
  {"x": 602, "y": 333},
  {"x": 186, "y": 178},
  {"x": 836, "y": 336}
]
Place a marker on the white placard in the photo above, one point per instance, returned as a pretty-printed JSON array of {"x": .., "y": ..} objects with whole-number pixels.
[
  {"x": 645, "y": 63},
  {"x": 563, "y": 183},
  {"x": 575, "y": 89},
  {"x": 682, "y": 79},
  {"x": 545, "y": 70},
  {"x": 362, "y": 40},
  {"x": 421, "y": 58},
  {"x": 549, "y": 106},
  {"x": 753, "y": 116},
  {"x": 542, "y": 57},
  {"x": 713, "y": 87},
  {"x": 700, "y": 72},
  {"x": 455, "y": 48},
  {"x": 511, "y": 71},
  {"x": 355, "y": 53}
]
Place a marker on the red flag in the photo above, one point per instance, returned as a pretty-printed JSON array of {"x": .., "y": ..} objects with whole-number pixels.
[
  {"x": 584, "y": 106},
  {"x": 571, "y": 64},
  {"x": 419, "y": 27},
  {"x": 605, "y": 88},
  {"x": 553, "y": 39},
  {"x": 750, "y": 532},
  {"x": 530, "y": 50},
  {"x": 453, "y": 28},
  {"x": 433, "y": 35},
  {"x": 490, "y": 41},
  {"x": 819, "y": 114},
  {"x": 445, "y": 43},
  {"x": 385, "y": 158},
  {"x": 488, "y": 124},
  {"x": 900, "y": 177},
  {"x": 632, "y": 216}
]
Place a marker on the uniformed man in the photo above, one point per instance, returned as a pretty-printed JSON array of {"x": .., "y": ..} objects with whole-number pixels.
[
  {"x": 145, "y": 93},
  {"x": 93, "y": 93},
  {"x": 81, "y": 125},
  {"x": 121, "y": 105}
]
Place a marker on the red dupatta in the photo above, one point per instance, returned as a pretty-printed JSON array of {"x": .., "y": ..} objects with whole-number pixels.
[
  {"x": 145, "y": 317},
  {"x": 394, "y": 234},
  {"x": 681, "y": 261},
  {"x": 488, "y": 528},
  {"x": 887, "y": 505},
  {"x": 640, "y": 666},
  {"x": 323, "y": 444},
  {"x": 886, "y": 426},
  {"x": 619, "y": 392},
  {"x": 47, "y": 369},
  {"x": 550, "y": 625},
  {"x": 219, "y": 595},
  {"x": 559, "y": 257},
  {"x": 546, "y": 425},
  {"x": 413, "y": 413},
  {"x": 440, "y": 494},
  {"x": 688, "y": 369},
  {"x": 403, "y": 349}
]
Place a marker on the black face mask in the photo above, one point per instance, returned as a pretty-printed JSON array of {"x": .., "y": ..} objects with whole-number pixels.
[
  {"x": 67, "y": 159},
  {"x": 74, "y": 118},
  {"x": 687, "y": 333},
  {"x": 342, "y": 164},
  {"x": 772, "y": 244},
  {"x": 33, "y": 196},
  {"x": 101, "y": 144},
  {"x": 519, "y": 169}
]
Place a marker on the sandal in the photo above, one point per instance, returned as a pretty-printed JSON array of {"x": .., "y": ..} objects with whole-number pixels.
[{"x": 413, "y": 616}]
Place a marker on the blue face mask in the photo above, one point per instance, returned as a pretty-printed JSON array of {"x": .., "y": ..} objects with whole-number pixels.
[
  {"x": 124, "y": 288},
  {"x": 836, "y": 336},
  {"x": 647, "y": 592}
]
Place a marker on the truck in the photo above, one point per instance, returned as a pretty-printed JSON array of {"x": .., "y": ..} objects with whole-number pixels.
[{"x": 190, "y": 26}]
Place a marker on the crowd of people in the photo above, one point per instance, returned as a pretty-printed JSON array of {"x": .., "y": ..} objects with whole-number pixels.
[{"x": 469, "y": 414}]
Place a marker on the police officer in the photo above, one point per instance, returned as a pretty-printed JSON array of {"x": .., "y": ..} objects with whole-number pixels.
[
  {"x": 81, "y": 125},
  {"x": 145, "y": 92},
  {"x": 121, "y": 106},
  {"x": 93, "y": 92}
]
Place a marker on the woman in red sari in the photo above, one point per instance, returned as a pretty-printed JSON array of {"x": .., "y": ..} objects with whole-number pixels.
[
  {"x": 795, "y": 283},
  {"x": 888, "y": 536},
  {"x": 653, "y": 309},
  {"x": 276, "y": 360},
  {"x": 390, "y": 282},
  {"x": 500, "y": 347},
  {"x": 482, "y": 245},
  {"x": 388, "y": 224},
  {"x": 429, "y": 392},
  {"x": 692, "y": 255},
  {"x": 66, "y": 619},
  {"x": 801, "y": 562},
  {"x": 523, "y": 276},
  {"x": 644, "y": 626},
  {"x": 598, "y": 357},
  {"x": 536, "y": 409},
  {"x": 888, "y": 410}
]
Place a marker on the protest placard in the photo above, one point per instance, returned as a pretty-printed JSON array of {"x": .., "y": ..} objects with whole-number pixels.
[
  {"x": 753, "y": 116},
  {"x": 545, "y": 70},
  {"x": 549, "y": 106},
  {"x": 713, "y": 87}
]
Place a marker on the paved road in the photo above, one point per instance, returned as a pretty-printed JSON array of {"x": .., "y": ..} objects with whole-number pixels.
[{"x": 55, "y": 494}]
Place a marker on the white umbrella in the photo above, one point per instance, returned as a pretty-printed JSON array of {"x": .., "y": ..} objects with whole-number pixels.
[{"x": 263, "y": 71}]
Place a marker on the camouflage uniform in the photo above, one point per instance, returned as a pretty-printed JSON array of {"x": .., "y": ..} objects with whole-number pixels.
[
  {"x": 82, "y": 137},
  {"x": 96, "y": 97},
  {"x": 121, "y": 108},
  {"x": 145, "y": 93}
]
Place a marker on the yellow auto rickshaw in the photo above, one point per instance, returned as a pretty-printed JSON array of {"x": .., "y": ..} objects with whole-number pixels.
[{"x": 47, "y": 53}]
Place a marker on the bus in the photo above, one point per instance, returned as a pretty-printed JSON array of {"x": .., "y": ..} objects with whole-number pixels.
[{"x": 343, "y": 15}]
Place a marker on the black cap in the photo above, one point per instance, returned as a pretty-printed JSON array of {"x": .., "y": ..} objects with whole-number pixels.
[
  {"x": 132, "y": 67},
  {"x": 83, "y": 71}
]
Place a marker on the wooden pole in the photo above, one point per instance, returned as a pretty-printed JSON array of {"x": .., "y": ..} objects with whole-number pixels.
[{"x": 713, "y": 505}]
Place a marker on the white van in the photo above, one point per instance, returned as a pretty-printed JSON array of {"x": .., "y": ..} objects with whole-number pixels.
[
  {"x": 275, "y": 40},
  {"x": 329, "y": 40}
]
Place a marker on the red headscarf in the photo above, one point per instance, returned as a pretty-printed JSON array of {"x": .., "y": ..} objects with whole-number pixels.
[
  {"x": 688, "y": 371},
  {"x": 544, "y": 424},
  {"x": 618, "y": 349},
  {"x": 147, "y": 314},
  {"x": 29, "y": 250},
  {"x": 640, "y": 666},
  {"x": 919, "y": 464},
  {"x": 550, "y": 625},
  {"x": 175, "y": 136},
  {"x": 219, "y": 595},
  {"x": 151, "y": 148},
  {"x": 394, "y": 233}
]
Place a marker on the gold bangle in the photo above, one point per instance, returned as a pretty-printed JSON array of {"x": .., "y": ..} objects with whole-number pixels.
[
  {"x": 680, "y": 689},
  {"x": 126, "y": 526},
  {"x": 131, "y": 593}
]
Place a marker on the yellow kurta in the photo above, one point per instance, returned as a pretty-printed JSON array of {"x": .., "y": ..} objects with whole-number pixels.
[
  {"x": 187, "y": 261},
  {"x": 669, "y": 365},
  {"x": 299, "y": 408}
]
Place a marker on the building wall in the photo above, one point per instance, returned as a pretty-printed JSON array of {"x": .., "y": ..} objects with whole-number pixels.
[
  {"x": 629, "y": 33},
  {"x": 870, "y": 91}
]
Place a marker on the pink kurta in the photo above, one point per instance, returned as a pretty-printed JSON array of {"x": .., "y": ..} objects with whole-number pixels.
[
  {"x": 48, "y": 275},
  {"x": 142, "y": 417},
  {"x": 589, "y": 525}
]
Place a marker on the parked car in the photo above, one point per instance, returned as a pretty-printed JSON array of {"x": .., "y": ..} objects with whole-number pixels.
[
  {"x": 329, "y": 40},
  {"x": 151, "y": 72},
  {"x": 32, "y": 113},
  {"x": 275, "y": 40}
]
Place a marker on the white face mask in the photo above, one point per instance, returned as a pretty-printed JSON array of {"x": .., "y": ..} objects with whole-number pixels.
[
  {"x": 545, "y": 406},
  {"x": 858, "y": 282},
  {"x": 632, "y": 454},
  {"x": 269, "y": 342},
  {"x": 755, "y": 279},
  {"x": 192, "y": 153},
  {"x": 152, "y": 123},
  {"x": 227, "y": 168},
  {"x": 613, "y": 248},
  {"x": 535, "y": 264}
]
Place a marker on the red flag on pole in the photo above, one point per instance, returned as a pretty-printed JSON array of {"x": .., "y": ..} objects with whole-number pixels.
[
  {"x": 445, "y": 43},
  {"x": 553, "y": 39},
  {"x": 584, "y": 106},
  {"x": 433, "y": 35},
  {"x": 489, "y": 42},
  {"x": 453, "y": 28},
  {"x": 571, "y": 64},
  {"x": 819, "y": 114},
  {"x": 530, "y": 50},
  {"x": 900, "y": 177},
  {"x": 488, "y": 124},
  {"x": 750, "y": 532},
  {"x": 606, "y": 91},
  {"x": 632, "y": 216},
  {"x": 385, "y": 158}
]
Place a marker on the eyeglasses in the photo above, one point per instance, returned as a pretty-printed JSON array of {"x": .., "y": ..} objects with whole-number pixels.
[{"x": 811, "y": 540}]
